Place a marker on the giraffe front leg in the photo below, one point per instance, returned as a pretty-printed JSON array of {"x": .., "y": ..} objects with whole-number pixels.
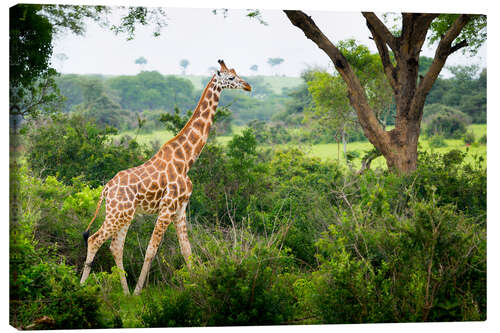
[
  {"x": 116, "y": 248},
  {"x": 181, "y": 229},
  {"x": 162, "y": 223}
]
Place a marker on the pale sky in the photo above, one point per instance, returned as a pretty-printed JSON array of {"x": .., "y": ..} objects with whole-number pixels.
[{"x": 202, "y": 37}]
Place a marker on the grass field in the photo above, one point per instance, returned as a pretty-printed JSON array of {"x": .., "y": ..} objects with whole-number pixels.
[
  {"x": 277, "y": 83},
  {"x": 330, "y": 151}
]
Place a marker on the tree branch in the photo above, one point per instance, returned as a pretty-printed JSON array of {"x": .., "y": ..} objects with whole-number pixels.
[
  {"x": 406, "y": 30},
  {"x": 421, "y": 26},
  {"x": 383, "y": 37},
  {"x": 357, "y": 96},
  {"x": 381, "y": 29},
  {"x": 458, "y": 46},
  {"x": 443, "y": 50}
]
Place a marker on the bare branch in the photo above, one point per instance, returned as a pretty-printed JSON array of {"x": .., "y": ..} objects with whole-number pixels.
[
  {"x": 383, "y": 37},
  {"x": 443, "y": 50},
  {"x": 382, "y": 31},
  {"x": 422, "y": 24},
  {"x": 458, "y": 46}
]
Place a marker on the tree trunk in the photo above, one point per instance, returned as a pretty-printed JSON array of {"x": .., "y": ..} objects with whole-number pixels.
[
  {"x": 344, "y": 143},
  {"x": 398, "y": 146}
]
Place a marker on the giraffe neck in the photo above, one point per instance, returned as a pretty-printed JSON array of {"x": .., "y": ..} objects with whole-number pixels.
[{"x": 194, "y": 135}]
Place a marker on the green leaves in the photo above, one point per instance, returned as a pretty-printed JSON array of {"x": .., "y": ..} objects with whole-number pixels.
[
  {"x": 474, "y": 32},
  {"x": 70, "y": 146},
  {"x": 329, "y": 93},
  {"x": 30, "y": 44}
]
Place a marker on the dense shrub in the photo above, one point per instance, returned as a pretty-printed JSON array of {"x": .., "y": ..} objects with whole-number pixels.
[
  {"x": 236, "y": 280},
  {"x": 469, "y": 138},
  {"x": 225, "y": 180},
  {"x": 266, "y": 134},
  {"x": 437, "y": 141},
  {"x": 302, "y": 198},
  {"x": 387, "y": 268},
  {"x": 71, "y": 146},
  {"x": 44, "y": 291},
  {"x": 53, "y": 290},
  {"x": 277, "y": 238},
  {"x": 173, "y": 308},
  {"x": 455, "y": 181},
  {"x": 444, "y": 120}
]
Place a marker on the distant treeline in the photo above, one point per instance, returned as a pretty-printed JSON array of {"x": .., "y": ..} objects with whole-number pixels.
[{"x": 119, "y": 101}]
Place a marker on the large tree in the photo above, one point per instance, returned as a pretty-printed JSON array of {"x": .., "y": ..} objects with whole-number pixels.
[{"x": 400, "y": 53}]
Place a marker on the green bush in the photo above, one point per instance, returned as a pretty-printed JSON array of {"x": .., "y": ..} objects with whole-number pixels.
[
  {"x": 70, "y": 146},
  {"x": 415, "y": 268},
  {"x": 266, "y": 134},
  {"x": 234, "y": 281},
  {"x": 455, "y": 182},
  {"x": 277, "y": 237},
  {"x": 437, "y": 141},
  {"x": 53, "y": 290},
  {"x": 174, "y": 308},
  {"x": 44, "y": 291},
  {"x": 469, "y": 138},
  {"x": 351, "y": 155},
  {"x": 444, "y": 120},
  {"x": 482, "y": 140}
]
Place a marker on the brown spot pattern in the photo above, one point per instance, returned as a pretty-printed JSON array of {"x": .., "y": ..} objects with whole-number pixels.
[
  {"x": 179, "y": 167},
  {"x": 198, "y": 124},
  {"x": 193, "y": 137}
]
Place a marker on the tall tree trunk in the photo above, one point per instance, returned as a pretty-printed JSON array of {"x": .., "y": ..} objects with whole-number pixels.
[{"x": 398, "y": 146}]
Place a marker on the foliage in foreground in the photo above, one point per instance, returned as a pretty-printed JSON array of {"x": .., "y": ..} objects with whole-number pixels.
[
  {"x": 422, "y": 267},
  {"x": 237, "y": 279},
  {"x": 278, "y": 238},
  {"x": 45, "y": 293}
]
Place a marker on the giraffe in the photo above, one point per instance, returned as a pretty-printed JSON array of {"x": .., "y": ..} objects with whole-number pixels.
[{"x": 159, "y": 186}]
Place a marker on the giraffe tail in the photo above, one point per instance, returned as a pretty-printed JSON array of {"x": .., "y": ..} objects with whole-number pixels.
[{"x": 86, "y": 233}]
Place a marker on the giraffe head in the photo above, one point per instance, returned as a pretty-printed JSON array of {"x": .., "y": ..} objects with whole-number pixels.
[{"x": 227, "y": 78}]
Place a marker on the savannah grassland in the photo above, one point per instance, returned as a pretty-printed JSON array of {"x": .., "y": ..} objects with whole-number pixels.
[{"x": 333, "y": 151}]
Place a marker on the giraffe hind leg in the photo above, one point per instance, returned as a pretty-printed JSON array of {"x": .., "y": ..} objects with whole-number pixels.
[
  {"x": 182, "y": 236},
  {"x": 108, "y": 229}
]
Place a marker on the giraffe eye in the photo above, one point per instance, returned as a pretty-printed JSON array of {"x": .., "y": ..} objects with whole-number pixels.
[{"x": 231, "y": 78}]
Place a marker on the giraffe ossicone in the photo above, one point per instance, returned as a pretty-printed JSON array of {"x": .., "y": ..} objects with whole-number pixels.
[{"x": 159, "y": 186}]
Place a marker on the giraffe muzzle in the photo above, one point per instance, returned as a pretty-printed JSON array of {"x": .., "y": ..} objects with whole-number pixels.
[{"x": 247, "y": 87}]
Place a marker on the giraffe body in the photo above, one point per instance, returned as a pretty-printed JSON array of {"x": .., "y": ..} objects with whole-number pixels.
[{"x": 159, "y": 186}]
